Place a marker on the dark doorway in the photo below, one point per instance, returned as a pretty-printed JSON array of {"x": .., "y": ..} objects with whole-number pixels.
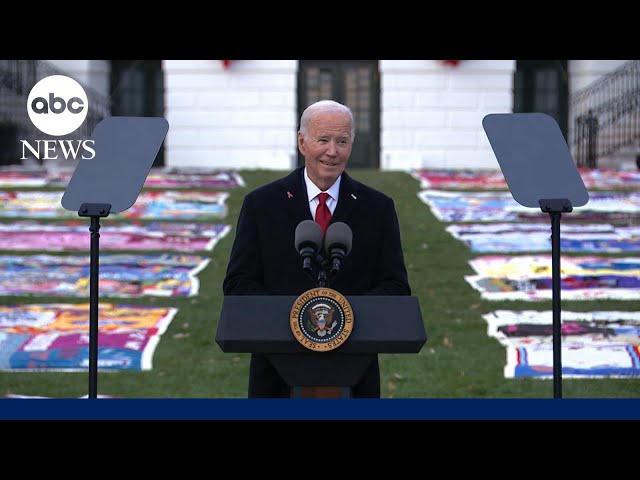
[
  {"x": 542, "y": 86},
  {"x": 137, "y": 90},
  {"x": 356, "y": 83}
]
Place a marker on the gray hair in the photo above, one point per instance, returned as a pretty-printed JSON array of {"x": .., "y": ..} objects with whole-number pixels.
[{"x": 325, "y": 106}]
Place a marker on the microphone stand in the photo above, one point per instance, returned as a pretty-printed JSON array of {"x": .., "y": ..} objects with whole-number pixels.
[{"x": 323, "y": 281}]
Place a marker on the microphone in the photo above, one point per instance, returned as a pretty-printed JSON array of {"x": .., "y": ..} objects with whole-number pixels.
[
  {"x": 337, "y": 244},
  {"x": 308, "y": 242}
]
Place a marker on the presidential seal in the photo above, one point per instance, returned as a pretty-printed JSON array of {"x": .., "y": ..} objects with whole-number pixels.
[{"x": 321, "y": 319}]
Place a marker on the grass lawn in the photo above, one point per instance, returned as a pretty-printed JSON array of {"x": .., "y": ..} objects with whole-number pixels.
[{"x": 459, "y": 360}]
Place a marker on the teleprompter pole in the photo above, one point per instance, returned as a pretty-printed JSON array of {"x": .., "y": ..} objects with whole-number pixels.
[
  {"x": 554, "y": 207},
  {"x": 95, "y": 211}
]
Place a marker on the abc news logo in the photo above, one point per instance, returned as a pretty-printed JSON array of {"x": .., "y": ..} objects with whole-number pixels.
[{"x": 57, "y": 105}]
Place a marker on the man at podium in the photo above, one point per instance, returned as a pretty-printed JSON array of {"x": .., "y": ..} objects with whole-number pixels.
[{"x": 265, "y": 261}]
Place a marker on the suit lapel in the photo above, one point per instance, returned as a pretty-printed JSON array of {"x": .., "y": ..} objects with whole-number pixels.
[
  {"x": 295, "y": 193},
  {"x": 349, "y": 198}
]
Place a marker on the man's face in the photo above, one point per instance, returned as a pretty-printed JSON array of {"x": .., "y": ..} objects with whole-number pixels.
[{"x": 327, "y": 147}]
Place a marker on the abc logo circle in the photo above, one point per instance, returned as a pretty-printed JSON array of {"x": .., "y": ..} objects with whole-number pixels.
[{"x": 57, "y": 105}]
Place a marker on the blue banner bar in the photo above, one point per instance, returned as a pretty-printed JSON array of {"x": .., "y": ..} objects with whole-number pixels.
[{"x": 309, "y": 409}]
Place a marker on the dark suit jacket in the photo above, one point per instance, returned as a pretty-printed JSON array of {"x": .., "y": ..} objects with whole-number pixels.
[{"x": 264, "y": 259}]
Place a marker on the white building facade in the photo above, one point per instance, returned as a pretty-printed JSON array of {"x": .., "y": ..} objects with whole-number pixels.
[{"x": 244, "y": 114}]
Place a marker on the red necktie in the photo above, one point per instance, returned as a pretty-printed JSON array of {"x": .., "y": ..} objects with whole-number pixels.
[{"x": 323, "y": 214}]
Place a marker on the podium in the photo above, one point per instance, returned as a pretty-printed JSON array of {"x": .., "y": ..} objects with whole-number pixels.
[{"x": 260, "y": 324}]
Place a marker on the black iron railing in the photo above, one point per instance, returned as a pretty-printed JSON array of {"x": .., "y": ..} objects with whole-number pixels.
[{"x": 605, "y": 117}]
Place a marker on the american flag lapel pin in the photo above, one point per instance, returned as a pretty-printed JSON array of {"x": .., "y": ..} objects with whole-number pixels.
[{"x": 289, "y": 195}]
